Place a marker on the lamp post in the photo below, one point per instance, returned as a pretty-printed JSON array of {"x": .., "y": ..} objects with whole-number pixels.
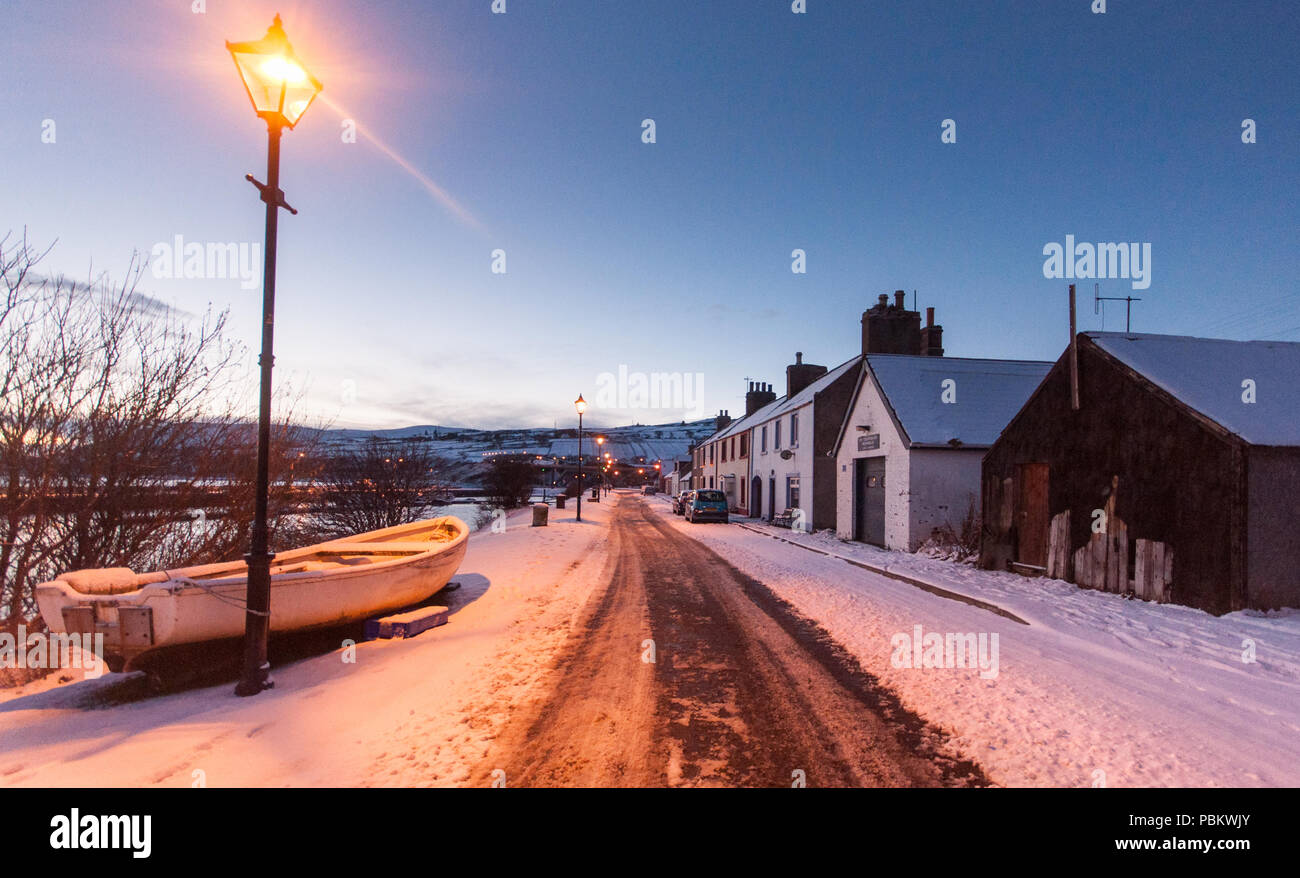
[
  {"x": 581, "y": 405},
  {"x": 281, "y": 89}
]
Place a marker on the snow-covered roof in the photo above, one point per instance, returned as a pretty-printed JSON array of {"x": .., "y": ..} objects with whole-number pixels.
[
  {"x": 985, "y": 394},
  {"x": 1207, "y": 375},
  {"x": 780, "y": 406},
  {"x": 805, "y": 396}
]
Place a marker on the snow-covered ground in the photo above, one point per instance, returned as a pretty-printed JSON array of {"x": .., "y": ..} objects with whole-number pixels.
[
  {"x": 409, "y": 712},
  {"x": 1095, "y": 688},
  {"x": 1090, "y": 687}
]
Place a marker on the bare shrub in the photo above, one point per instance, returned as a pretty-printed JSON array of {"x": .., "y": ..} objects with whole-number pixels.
[
  {"x": 379, "y": 484},
  {"x": 119, "y": 429},
  {"x": 956, "y": 544}
]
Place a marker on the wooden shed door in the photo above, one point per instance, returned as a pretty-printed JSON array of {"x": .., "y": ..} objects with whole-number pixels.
[{"x": 1032, "y": 517}]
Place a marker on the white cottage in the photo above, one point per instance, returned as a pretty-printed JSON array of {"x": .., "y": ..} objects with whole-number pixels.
[
  {"x": 908, "y": 455},
  {"x": 790, "y": 441}
]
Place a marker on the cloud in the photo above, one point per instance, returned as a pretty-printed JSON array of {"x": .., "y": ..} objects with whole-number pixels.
[{"x": 141, "y": 303}]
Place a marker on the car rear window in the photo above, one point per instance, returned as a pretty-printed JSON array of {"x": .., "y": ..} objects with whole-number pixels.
[{"x": 709, "y": 495}]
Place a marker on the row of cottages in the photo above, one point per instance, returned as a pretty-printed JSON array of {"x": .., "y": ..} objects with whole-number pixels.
[
  {"x": 775, "y": 457},
  {"x": 778, "y": 457},
  {"x": 1160, "y": 466},
  {"x": 884, "y": 448}
]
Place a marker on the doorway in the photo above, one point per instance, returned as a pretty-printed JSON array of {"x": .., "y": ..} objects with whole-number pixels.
[
  {"x": 869, "y": 500},
  {"x": 1033, "y": 521}
]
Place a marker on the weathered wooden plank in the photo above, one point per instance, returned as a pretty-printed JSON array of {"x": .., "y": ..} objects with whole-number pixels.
[
  {"x": 1117, "y": 556},
  {"x": 1142, "y": 570},
  {"x": 1058, "y": 554},
  {"x": 1154, "y": 570},
  {"x": 1007, "y": 512},
  {"x": 406, "y": 624},
  {"x": 1081, "y": 577},
  {"x": 1162, "y": 575}
]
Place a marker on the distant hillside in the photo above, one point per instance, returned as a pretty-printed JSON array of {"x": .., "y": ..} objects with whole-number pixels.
[{"x": 466, "y": 448}]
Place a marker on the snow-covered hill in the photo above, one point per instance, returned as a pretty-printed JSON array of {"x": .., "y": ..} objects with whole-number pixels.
[{"x": 636, "y": 443}]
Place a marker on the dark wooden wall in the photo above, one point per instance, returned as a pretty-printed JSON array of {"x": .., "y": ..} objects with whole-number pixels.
[
  {"x": 1180, "y": 481},
  {"x": 830, "y": 406},
  {"x": 1273, "y": 528}
]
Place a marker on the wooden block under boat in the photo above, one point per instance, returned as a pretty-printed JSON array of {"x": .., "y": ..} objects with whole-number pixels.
[{"x": 406, "y": 624}]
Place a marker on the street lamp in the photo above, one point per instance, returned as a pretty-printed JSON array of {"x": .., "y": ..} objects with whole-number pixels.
[
  {"x": 281, "y": 89},
  {"x": 581, "y": 405}
]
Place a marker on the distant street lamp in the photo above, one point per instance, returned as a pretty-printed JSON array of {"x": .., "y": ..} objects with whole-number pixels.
[
  {"x": 281, "y": 89},
  {"x": 581, "y": 405}
]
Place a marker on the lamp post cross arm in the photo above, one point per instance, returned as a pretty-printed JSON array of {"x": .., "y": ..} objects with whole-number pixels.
[{"x": 276, "y": 199}]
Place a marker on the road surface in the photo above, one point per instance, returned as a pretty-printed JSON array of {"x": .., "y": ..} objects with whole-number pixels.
[{"x": 686, "y": 672}]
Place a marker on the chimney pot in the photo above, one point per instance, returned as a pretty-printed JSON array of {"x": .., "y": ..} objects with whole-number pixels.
[
  {"x": 798, "y": 357},
  {"x": 929, "y": 316},
  {"x": 900, "y": 299},
  {"x": 884, "y": 299}
]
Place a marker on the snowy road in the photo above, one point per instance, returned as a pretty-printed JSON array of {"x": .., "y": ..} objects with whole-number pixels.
[{"x": 685, "y": 672}]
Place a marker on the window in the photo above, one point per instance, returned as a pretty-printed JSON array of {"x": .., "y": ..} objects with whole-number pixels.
[
  {"x": 776, "y": 439},
  {"x": 792, "y": 492},
  {"x": 794, "y": 431},
  {"x": 723, "y": 452},
  {"x": 763, "y": 439},
  {"x": 744, "y": 445}
]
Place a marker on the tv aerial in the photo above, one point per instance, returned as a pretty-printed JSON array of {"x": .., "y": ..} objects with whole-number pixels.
[{"x": 1098, "y": 308}]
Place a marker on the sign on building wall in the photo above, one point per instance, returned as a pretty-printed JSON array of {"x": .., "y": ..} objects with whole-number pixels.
[{"x": 869, "y": 442}]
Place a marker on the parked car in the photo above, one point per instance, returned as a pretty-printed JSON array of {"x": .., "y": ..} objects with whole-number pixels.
[
  {"x": 707, "y": 505},
  {"x": 680, "y": 502}
]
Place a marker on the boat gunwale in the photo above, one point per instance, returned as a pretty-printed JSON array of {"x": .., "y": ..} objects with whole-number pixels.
[{"x": 181, "y": 582}]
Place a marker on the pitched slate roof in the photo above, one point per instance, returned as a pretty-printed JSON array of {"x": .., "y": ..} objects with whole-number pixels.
[
  {"x": 1206, "y": 375},
  {"x": 987, "y": 394},
  {"x": 784, "y": 404}
]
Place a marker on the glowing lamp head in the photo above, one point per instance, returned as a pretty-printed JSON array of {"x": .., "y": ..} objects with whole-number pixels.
[
  {"x": 580, "y": 404},
  {"x": 278, "y": 84}
]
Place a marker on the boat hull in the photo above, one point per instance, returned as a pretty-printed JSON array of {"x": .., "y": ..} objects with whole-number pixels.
[{"x": 206, "y": 603}]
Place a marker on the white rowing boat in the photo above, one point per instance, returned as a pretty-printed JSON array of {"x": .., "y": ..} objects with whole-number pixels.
[{"x": 331, "y": 583}]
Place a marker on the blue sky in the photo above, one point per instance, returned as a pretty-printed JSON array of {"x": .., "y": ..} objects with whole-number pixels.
[{"x": 775, "y": 131}]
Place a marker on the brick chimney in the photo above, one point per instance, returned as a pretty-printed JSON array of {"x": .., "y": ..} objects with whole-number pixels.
[
  {"x": 891, "y": 328},
  {"x": 799, "y": 375},
  {"x": 721, "y": 421},
  {"x": 759, "y": 395},
  {"x": 931, "y": 336}
]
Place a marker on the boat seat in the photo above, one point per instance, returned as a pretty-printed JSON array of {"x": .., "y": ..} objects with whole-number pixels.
[{"x": 110, "y": 580}]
